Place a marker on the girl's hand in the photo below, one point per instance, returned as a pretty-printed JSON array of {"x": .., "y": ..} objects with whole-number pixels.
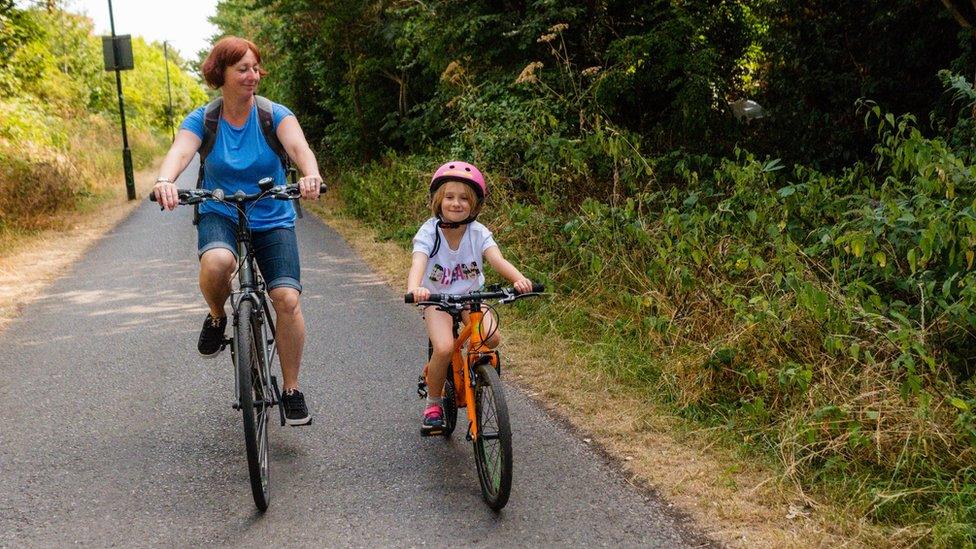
[
  {"x": 309, "y": 186},
  {"x": 166, "y": 196},
  {"x": 523, "y": 285},
  {"x": 420, "y": 294}
]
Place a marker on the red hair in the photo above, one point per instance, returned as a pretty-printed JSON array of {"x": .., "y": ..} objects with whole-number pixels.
[{"x": 226, "y": 52}]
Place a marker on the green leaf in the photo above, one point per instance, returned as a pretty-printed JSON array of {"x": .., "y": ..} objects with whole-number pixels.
[
  {"x": 959, "y": 403},
  {"x": 772, "y": 165},
  {"x": 596, "y": 264},
  {"x": 880, "y": 259}
]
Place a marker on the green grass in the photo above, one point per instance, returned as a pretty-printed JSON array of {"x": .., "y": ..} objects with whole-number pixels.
[{"x": 728, "y": 311}]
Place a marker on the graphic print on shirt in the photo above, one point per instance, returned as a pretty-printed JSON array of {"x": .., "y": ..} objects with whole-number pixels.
[{"x": 446, "y": 277}]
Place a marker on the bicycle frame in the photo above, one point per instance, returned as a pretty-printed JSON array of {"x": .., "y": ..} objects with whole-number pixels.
[
  {"x": 251, "y": 288},
  {"x": 470, "y": 350}
]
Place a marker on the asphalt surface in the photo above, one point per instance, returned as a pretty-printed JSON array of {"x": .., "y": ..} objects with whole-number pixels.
[{"x": 114, "y": 432}]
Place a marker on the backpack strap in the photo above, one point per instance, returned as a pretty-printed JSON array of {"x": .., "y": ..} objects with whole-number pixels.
[
  {"x": 266, "y": 118},
  {"x": 211, "y": 121}
]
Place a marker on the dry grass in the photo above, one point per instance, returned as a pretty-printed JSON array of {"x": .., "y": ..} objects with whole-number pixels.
[
  {"x": 30, "y": 262},
  {"x": 736, "y": 501}
]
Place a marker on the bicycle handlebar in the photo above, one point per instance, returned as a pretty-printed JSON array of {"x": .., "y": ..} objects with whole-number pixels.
[
  {"x": 452, "y": 299},
  {"x": 280, "y": 192}
]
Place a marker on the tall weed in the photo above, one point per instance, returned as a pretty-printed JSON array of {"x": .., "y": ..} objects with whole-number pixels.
[
  {"x": 819, "y": 318},
  {"x": 824, "y": 320}
]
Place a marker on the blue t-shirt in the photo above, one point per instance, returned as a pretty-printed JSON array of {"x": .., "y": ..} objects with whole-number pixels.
[{"x": 239, "y": 159}]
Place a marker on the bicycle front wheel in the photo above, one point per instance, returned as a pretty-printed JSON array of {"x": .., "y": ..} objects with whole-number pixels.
[
  {"x": 493, "y": 446},
  {"x": 254, "y": 405}
]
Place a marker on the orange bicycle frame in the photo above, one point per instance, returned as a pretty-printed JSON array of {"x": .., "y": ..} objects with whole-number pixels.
[{"x": 469, "y": 350}]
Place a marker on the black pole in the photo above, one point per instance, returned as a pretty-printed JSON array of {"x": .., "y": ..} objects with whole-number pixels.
[
  {"x": 169, "y": 111},
  {"x": 130, "y": 185}
]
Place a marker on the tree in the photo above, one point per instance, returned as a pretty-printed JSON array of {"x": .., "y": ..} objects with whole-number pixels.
[
  {"x": 824, "y": 55},
  {"x": 963, "y": 11}
]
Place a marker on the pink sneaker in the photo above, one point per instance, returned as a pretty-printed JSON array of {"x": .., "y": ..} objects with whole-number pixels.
[{"x": 433, "y": 423}]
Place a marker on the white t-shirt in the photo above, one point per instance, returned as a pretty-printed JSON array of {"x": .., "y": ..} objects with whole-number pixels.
[{"x": 450, "y": 271}]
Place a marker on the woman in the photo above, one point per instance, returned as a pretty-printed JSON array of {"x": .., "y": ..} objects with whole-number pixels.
[{"x": 241, "y": 157}]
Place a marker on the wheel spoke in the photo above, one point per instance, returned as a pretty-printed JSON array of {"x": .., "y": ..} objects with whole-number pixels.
[
  {"x": 261, "y": 412},
  {"x": 493, "y": 445},
  {"x": 489, "y": 444},
  {"x": 254, "y": 403}
]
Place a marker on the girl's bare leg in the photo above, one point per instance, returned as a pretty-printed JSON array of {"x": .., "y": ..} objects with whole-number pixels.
[{"x": 439, "y": 330}]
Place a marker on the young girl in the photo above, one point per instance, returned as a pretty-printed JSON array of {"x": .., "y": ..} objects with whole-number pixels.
[{"x": 448, "y": 258}]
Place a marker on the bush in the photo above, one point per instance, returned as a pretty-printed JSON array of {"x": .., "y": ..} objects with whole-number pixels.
[{"x": 822, "y": 318}]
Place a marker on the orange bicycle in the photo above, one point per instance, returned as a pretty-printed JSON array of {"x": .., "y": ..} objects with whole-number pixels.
[{"x": 475, "y": 371}]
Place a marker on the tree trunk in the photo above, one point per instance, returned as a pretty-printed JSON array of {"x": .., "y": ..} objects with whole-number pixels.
[{"x": 964, "y": 19}]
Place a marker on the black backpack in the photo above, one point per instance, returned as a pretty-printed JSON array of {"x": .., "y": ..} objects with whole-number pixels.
[{"x": 211, "y": 121}]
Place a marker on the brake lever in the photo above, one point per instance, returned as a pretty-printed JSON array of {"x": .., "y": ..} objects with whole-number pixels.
[
  {"x": 510, "y": 296},
  {"x": 515, "y": 296}
]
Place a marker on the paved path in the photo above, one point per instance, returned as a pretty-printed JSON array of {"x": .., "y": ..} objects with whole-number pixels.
[{"x": 114, "y": 431}]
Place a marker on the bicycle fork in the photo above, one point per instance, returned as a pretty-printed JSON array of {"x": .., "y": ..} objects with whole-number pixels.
[
  {"x": 478, "y": 353},
  {"x": 266, "y": 350}
]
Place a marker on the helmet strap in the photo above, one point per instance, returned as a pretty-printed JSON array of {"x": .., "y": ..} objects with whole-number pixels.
[{"x": 454, "y": 225}]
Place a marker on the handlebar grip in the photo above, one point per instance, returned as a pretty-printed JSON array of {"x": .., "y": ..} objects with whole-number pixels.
[
  {"x": 323, "y": 188},
  {"x": 538, "y": 288},
  {"x": 152, "y": 197},
  {"x": 408, "y": 298}
]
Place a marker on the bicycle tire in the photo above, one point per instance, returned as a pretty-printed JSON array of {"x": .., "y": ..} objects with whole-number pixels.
[
  {"x": 493, "y": 446},
  {"x": 450, "y": 406},
  {"x": 255, "y": 416}
]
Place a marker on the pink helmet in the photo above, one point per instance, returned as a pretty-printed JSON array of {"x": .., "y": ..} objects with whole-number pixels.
[{"x": 459, "y": 171}]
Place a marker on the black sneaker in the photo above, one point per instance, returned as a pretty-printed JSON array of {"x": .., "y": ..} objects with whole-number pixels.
[
  {"x": 296, "y": 413},
  {"x": 212, "y": 336}
]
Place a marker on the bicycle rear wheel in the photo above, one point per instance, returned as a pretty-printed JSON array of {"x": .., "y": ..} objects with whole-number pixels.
[
  {"x": 493, "y": 447},
  {"x": 254, "y": 405},
  {"x": 450, "y": 406}
]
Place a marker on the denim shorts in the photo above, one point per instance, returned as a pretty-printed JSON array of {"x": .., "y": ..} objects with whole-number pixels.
[{"x": 276, "y": 250}]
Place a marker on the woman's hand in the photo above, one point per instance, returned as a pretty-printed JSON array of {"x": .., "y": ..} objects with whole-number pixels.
[
  {"x": 309, "y": 186},
  {"x": 419, "y": 294},
  {"x": 166, "y": 196},
  {"x": 523, "y": 285}
]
